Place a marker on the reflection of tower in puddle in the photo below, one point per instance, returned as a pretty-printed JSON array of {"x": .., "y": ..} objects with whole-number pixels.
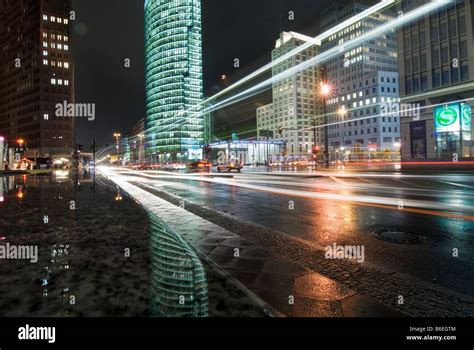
[
  {"x": 58, "y": 265},
  {"x": 178, "y": 280}
]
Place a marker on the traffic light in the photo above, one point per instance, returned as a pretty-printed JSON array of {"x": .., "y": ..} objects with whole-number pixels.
[{"x": 20, "y": 146}]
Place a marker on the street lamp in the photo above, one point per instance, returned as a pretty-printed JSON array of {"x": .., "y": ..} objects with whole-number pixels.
[
  {"x": 117, "y": 142},
  {"x": 325, "y": 90},
  {"x": 342, "y": 113}
]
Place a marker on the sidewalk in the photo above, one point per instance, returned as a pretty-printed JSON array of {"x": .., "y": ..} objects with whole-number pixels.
[{"x": 288, "y": 287}]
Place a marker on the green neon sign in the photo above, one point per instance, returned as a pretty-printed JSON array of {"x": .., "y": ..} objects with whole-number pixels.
[
  {"x": 447, "y": 118},
  {"x": 466, "y": 112}
]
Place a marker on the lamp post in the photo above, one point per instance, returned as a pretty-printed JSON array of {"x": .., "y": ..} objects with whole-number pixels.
[
  {"x": 325, "y": 90},
  {"x": 117, "y": 144},
  {"x": 342, "y": 113}
]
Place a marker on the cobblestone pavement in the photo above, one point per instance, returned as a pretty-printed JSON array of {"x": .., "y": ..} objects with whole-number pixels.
[{"x": 293, "y": 276}]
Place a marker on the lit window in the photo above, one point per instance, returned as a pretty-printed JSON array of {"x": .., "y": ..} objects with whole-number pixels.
[
  {"x": 66, "y": 65},
  {"x": 66, "y": 21},
  {"x": 53, "y": 63},
  {"x": 45, "y": 17},
  {"x": 60, "y": 20},
  {"x": 53, "y": 36},
  {"x": 60, "y": 64},
  {"x": 53, "y": 81},
  {"x": 66, "y": 39},
  {"x": 53, "y": 19},
  {"x": 60, "y": 82},
  {"x": 45, "y": 62},
  {"x": 53, "y": 45},
  {"x": 60, "y": 46},
  {"x": 66, "y": 82},
  {"x": 45, "y": 53},
  {"x": 45, "y": 44},
  {"x": 66, "y": 47},
  {"x": 60, "y": 37},
  {"x": 45, "y": 35},
  {"x": 46, "y": 116}
]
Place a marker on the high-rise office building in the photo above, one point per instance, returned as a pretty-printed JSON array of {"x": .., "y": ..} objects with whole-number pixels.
[
  {"x": 296, "y": 107},
  {"x": 174, "y": 87},
  {"x": 36, "y": 73},
  {"x": 437, "y": 82},
  {"x": 362, "y": 80}
]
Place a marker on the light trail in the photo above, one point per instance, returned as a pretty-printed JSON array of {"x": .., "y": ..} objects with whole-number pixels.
[
  {"x": 334, "y": 52},
  {"x": 417, "y": 206},
  {"x": 315, "y": 174},
  {"x": 315, "y": 41}
]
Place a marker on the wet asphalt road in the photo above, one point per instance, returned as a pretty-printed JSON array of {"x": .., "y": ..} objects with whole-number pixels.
[{"x": 352, "y": 209}]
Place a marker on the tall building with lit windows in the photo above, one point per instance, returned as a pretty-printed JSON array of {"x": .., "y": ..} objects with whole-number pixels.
[
  {"x": 36, "y": 73},
  {"x": 363, "y": 80},
  {"x": 296, "y": 107},
  {"x": 174, "y": 125}
]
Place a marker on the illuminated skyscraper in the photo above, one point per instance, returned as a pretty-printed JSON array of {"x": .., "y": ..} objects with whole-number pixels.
[
  {"x": 36, "y": 73},
  {"x": 173, "y": 58}
]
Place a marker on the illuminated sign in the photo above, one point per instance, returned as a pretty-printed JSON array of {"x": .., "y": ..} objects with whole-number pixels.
[
  {"x": 195, "y": 154},
  {"x": 466, "y": 113},
  {"x": 447, "y": 118}
]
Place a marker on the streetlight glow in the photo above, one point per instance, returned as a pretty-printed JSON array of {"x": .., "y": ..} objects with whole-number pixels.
[{"x": 325, "y": 89}]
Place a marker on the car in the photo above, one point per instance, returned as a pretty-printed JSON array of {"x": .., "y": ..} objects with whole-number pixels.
[
  {"x": 229, "y": 167},
  {"x": 338, "y": 162},
  {"x": 173, "y": 166},
  {"x": 202, "y": 165}
]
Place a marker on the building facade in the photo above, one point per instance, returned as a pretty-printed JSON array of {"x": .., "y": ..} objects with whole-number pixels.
[
  {"x": 36, "y": 74},
  {"x": 174, "y": 87},
  {"x": 296, "y": 106},
  {"x": 363, "y": 81},
  {"x": 437, "y": 81}
]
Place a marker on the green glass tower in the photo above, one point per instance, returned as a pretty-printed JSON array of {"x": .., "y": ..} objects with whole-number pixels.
[{"x": 173, "y": 74}]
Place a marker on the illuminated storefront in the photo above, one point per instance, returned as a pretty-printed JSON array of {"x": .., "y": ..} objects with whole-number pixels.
[
  {"x": 249, "y": 152},
  {"x": 173, "y": 59}
]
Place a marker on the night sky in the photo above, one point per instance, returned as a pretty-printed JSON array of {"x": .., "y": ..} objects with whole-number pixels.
[{"x": 107, "y": 32}]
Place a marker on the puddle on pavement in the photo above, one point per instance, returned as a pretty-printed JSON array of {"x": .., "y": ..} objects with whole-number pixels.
[{"x": 100, "y": 254}]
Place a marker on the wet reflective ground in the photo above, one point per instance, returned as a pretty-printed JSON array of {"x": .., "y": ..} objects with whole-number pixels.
[
  {"x": 323, "y": 221},
  {"x": 100, "y": 254}
]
